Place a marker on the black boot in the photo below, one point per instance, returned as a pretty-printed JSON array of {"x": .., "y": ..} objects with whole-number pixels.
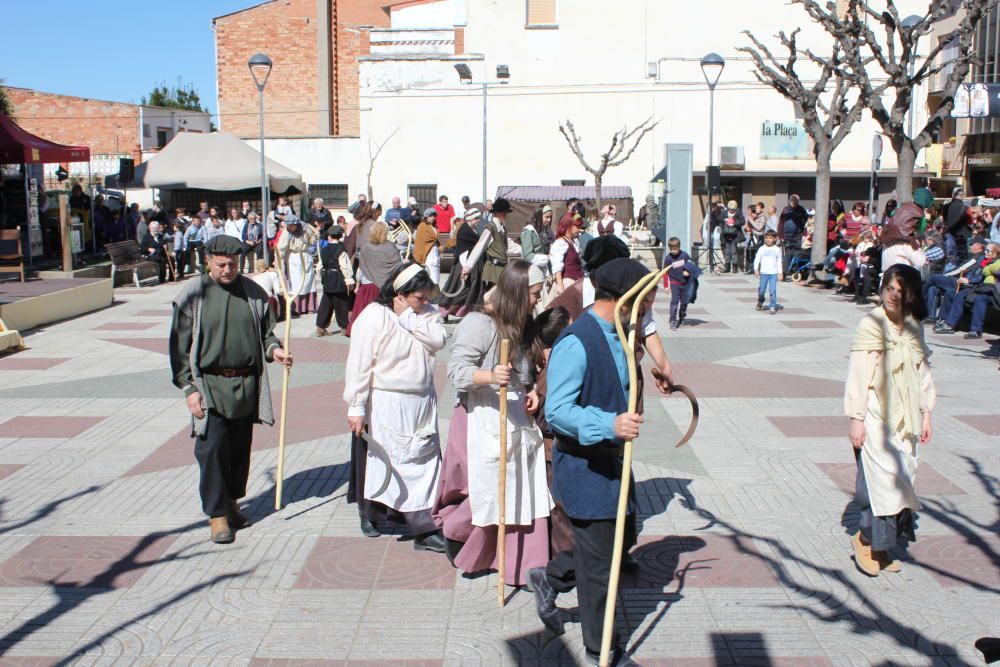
[
  {"x": 430, "y": 542},
  {"x": 368, "y": 529},
  {"x": 545, "y": 600}
]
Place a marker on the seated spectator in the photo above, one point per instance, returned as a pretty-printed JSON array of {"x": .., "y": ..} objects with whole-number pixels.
[{"x": 954, "y": 302}]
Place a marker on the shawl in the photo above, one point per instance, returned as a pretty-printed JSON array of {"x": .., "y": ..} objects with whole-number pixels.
[
  {"x": 901, "y": 354},
  {"x": 378, "y": 261}
]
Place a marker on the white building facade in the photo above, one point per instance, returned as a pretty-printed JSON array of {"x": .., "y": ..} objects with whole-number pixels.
[{"x": 602, "y": 64}]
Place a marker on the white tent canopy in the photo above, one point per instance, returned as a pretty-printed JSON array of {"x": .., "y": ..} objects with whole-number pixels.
[{"x": 218, "y": 161}]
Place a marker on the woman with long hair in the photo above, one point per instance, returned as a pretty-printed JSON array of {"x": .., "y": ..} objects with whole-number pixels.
[
  {"x": 389, "y": 390},
  {"x": 377, "y": 260},
  {"x": 564, "y": 256},
  {"x": 461, "y": 293},
  {"x": 467, "y": 505},
  {"x": 889, "y": 397}
]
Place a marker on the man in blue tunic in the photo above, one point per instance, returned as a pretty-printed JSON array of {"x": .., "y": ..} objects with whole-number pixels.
[{"x": 588, "y": 411}]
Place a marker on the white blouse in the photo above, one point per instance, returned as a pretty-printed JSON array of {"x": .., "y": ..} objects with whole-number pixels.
[
  {"x": 391, "y": 353},
  {"x": 557, "y": 253}
]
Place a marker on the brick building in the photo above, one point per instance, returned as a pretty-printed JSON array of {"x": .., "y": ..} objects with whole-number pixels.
[
  {"x": 313, "y": 87},
  {"x": 110, "y": 130}
]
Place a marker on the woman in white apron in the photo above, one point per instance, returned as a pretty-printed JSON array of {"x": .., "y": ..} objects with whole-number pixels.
[
  {"x": 389, "y": 389},
  {"x": 297, "y": 246},
  {"x": 467, "y": 505},
  {"x": 889, "y": 398}
]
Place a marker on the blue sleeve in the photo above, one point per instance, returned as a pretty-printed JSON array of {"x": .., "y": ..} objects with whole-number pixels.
[{"x": 586, "y": 425}]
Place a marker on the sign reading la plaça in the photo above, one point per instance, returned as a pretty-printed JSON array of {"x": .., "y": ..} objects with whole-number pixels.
[{"x": 784, "y": 140}]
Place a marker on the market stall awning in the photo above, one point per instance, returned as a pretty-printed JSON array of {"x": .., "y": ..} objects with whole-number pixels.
[
  {"x": 218, "y": 161},
  {"x": 18, "y": 146}
]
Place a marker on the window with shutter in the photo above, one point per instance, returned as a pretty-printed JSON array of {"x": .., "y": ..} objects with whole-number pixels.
[{"x": 541, "y": 14}]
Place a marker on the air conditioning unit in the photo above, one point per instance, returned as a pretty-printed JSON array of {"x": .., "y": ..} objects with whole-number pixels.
[{"x": 731, "y": 157}]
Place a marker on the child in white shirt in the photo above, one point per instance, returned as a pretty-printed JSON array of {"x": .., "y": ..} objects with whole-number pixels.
[{"x": 767, "y": 267}]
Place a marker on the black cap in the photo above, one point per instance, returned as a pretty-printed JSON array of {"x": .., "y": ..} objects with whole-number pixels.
[
  {"x": 223, "y": 244},
  {"x": 501, "y": 205},
  {"x": 619, "y": 275},
  {"x": 602, "y": 250},
  {"x": 978, "y": 239}
]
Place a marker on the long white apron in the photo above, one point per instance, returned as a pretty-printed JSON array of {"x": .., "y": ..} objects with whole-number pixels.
[
  {"x": 527, "y": 488},
  {"x": 890, "y": 463},
  {"x": 433, "y": 265},
  {"x": 404, "y": 426},
  {"x": 300, "y": 273}
]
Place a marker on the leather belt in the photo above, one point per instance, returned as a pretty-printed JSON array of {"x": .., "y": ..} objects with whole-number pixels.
[
  {"x": 496, "y": 262},
  {"x": 228, "y": 372},
  {"x": 588, "y": 451}
]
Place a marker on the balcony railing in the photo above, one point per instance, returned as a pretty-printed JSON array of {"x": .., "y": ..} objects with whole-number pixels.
[{"x": 439, "y": 42}]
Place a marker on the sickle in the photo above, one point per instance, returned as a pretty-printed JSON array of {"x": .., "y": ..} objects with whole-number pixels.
[
  {"x": 695, "y": 411},
  {"x": 452, "y": 295},
  {"x": 381, "y": 454}
]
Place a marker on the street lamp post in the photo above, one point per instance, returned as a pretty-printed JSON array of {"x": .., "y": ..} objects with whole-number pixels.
[
  {"x": 465, "y": 75},
  {"x": 712, "y": 65},
  {"x": 260, "y": 68}
]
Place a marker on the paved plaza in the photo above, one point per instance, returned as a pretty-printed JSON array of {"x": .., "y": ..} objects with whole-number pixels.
[{"x": 744, "y": 554}]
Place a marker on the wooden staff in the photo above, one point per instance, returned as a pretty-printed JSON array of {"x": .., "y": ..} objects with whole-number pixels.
[
  {"x": 289, "y": 301},
  {"x": 501, "y": 522},
  {"x": 636, "y": 296}
]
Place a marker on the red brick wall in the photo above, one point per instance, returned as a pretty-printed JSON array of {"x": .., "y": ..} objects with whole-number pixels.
[
  {"x": 104, "y": 127},
  {"x": 286, "y": 31}
]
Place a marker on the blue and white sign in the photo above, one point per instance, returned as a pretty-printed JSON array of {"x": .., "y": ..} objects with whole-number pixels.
[{"x": 784, "y": 140}]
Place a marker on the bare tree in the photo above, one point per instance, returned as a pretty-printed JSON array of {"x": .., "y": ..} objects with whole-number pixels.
[
  {"x": 374, "y": 148},
  {"x": 623, "y": 144},
  {"x": 825, "y": 106},
  {"x": 896, "y": 68}
]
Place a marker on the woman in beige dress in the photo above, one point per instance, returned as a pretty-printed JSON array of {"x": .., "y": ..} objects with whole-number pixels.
[{"x": 889, "y": 398}]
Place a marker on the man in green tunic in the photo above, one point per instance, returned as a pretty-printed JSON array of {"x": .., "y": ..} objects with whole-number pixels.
[{"x": 220, "y": 340}]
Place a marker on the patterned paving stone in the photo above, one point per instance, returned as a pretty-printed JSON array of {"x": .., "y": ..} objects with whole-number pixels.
[
  {"x": 305, "y": 662},
  {"x": 17, "y": 362},
  {"x": 83, "y": 562},
  {"x": 709, "y": 561},
  {"x": 702, "y": 325},
  {"x": 126, "y": 326},
  {"x": 960, "y": 561},
  {"x": 811, "y": 427},
  {"x": 380, "y": 563},
  {"x": 740, "y": 661},
  {"x": 929, "y": 481},
  {"x": 988, "y": 424},
  {"x": 47, "y": 427},
  {"x": 7, "y": 469},
  {"x": 811, "y": 324},
  {"x": 718, "y": 380},
  {"x": 158, "y": 345},
  {"x": 36, "y": 661},
  {"x": 156, "y": 312},
  {"x": 319, "y": 413}
]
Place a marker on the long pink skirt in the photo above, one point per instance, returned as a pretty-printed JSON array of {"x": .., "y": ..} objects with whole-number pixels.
[
  {"x": 527, "y": 546},
  {"x": 366, "y": 293}
]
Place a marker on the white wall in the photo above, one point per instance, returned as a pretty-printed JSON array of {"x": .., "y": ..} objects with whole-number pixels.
[
  {"x": 592, "y": 70},
  {"x": 327, "y": 160},
  {"x": 175, "y": 120}
]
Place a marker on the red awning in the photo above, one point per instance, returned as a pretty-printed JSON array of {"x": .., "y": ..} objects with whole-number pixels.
[{"x": 18, "y": 146}]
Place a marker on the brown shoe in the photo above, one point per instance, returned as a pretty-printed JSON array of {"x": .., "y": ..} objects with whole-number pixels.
[
  {"x": 863, "y": 556},
  {"x": 320, "y": 332},
  {"x": 886, "y": 562},
  {"x": 221, "y": 532},
  {"x": 236, "y": 518}
]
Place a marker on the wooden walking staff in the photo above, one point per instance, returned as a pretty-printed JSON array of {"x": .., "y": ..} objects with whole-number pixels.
[
  {"x": 636, "y": 296},
  {"x": 289, "y": 300},
  {"x": 501, "y": 522}
]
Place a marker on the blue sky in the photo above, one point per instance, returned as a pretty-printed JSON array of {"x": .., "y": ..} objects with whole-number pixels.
[{"x": 111, "y": 49}]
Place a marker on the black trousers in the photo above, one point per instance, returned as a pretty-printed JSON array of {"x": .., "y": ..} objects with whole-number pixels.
[
  {"x": 587, "y": 567},
  {"x": 338, "y": 303},
  {"x": 180, "y": 262},
  {"x": 224, "y": 458}
]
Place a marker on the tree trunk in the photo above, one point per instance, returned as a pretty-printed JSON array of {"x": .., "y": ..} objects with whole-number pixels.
[
  {"x": 598, "y": 180},
  {"x": 822, "y": 206},
  {"x": 906, "y": 158}
]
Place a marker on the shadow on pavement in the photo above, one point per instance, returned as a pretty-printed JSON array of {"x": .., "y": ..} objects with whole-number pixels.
[
  {"x": 321, "y": 482},
  {"x": 71, "y": 595},
  {"x": 45, "y": 510}
]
